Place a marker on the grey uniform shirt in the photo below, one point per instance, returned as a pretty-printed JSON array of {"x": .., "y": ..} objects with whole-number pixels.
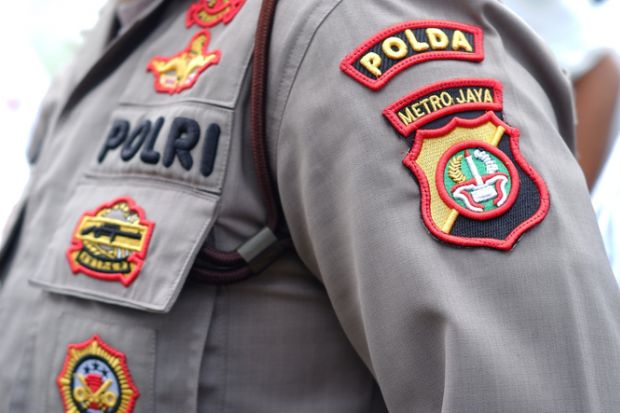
[{"x": 141, "y": 158}]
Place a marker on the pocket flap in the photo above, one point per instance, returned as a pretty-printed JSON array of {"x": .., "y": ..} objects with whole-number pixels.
[{"x": 129, "y": 242}]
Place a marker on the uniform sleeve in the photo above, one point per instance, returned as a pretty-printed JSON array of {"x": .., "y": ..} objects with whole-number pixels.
[{"x": 529, "y": 324}]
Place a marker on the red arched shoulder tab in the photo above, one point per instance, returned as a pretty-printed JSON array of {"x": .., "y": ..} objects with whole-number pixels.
[
  {"x": 399, "y": 47},
  {"x": 443, "y": 98}
]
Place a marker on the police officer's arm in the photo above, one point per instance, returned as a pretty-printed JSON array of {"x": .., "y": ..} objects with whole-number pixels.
[{"x": 443, "y": 326}]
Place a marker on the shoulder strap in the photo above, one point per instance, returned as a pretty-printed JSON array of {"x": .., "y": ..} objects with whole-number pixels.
[{"x": 219, "y": 267}]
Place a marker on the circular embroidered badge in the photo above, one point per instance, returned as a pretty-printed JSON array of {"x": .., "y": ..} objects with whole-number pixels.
[
  {"x": 477, "y": 179},
  {"x": 95, "y": 379},
  {"x": 111, "y": 242}
]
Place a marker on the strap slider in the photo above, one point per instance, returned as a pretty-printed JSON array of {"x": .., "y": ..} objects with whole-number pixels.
[{"x": 260, "y": 250}]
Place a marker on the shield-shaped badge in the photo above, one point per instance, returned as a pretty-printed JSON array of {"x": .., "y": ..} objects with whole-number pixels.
[{"x": 476, "y": 187}]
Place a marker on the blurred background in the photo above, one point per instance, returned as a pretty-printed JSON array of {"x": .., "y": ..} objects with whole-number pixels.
[{"x": 40, "y": 36}]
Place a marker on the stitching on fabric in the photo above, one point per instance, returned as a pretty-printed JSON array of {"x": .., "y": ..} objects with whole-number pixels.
[
  {"x": 347, "y": 64},
  {"x": 222, "y": 11},
  {"x": 183, "y": 137},
  {"x": 390, "y": 112},
  {"x": 226, "y": 348},
  {"x": 174, "y": 288},
  {"x": 135, "y": 140},
  {"x": 152, "y": 367},
  {"x": 115, "y": 360},
  {"x": 136, "y": 258},
  {"x": 156, "y": 182},
  {"x": 425, "y": 201},
  {"x": 202, "y": 59},
  {"x": 514, "y": 176},
  {"x": 285, "y": 99},
  {"x": 209, "y": 150}
]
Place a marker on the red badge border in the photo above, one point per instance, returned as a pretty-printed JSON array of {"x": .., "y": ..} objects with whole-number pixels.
[
  {"x": 347, "y": 64},
  {"x": 107, "y": 348},
  {"x": 391, "y": 111},
  {"x": 151, "y": 68},
  {"x": 425, "y": 202},
  {"x": 191, "y": 16},
  {"x": 479, "y": 216},
  {"x": 137, "y": 258}
]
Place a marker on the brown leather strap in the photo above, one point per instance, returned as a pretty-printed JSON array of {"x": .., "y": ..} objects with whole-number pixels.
[{"x": 212, "y": 265}]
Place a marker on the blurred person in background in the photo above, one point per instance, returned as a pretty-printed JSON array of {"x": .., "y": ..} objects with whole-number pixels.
[{"x": 582, "y": 41}]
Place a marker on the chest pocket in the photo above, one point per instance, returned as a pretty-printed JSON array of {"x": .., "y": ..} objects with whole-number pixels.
[
  {"x": 128, "y": 235},
  {"x": 135, "y": 222},
  {"x": 131, "y": 228},
  {"x": 148, "y": 180}
]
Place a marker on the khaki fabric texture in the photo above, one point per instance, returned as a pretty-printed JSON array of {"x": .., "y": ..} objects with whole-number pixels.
[{"x": 368, "y": 312}]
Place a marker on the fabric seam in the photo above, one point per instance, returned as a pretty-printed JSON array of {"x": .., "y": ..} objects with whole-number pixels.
[{"x": 278, "y": 129}]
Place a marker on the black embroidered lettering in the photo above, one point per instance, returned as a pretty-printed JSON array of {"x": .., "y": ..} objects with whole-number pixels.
[
  {"x": 148, "y": 154},
  {"x": 183, "y": 137},
  {"x": 209, "y": 150},
  {"x": 116, "y": 136},
  {"x": 393, "y": 50},
  {"x": 135, "y": 141}
]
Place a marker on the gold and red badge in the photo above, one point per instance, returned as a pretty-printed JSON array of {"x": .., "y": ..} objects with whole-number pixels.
[
  {"x": 95, "y": 378},
  {"x": 179, "y": 72},
  {"x": 393, "y": 50},
  {"x": 111, "y": 242},
  {"x": 476, "y": 188}
]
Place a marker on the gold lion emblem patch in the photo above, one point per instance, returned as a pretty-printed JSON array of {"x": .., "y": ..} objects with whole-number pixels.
[{"x": 180, "y": 72}]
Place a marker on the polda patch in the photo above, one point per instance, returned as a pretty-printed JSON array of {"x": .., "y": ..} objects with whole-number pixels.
[
  {"x": 399, "y": 47},
  {"x": 95, "y": 378},
  {"x": 476, "y": 188},
  {"x": 209, "y": 13},
  {"x": 181, "y": 71},
  {"x": 111, "y": 242}
]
